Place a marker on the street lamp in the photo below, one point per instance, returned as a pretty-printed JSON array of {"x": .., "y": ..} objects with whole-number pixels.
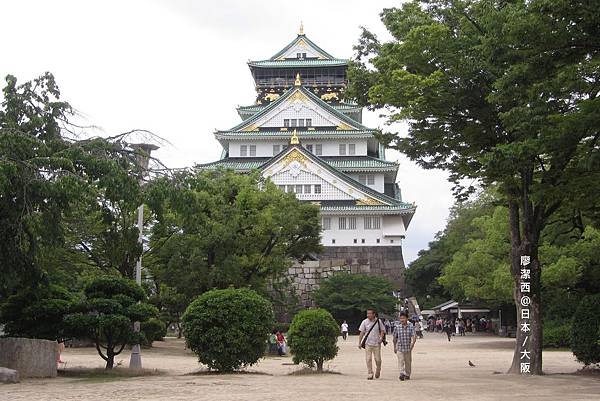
[{"x": 142, "y": 156}]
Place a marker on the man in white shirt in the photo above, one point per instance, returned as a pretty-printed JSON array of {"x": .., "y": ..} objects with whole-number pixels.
[
  {"x": 345, "y": 330},
  {"x": 372, "y": 332}
]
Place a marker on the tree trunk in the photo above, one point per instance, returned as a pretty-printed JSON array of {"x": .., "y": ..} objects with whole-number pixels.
[
  {"x": 110, "y": 358},
  {"x": 319, "y": 366},
  {"x": 179, "y": 330},
  {"x": 528, "y": 347}
]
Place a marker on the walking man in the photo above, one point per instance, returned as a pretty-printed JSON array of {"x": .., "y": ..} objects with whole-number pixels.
[
  {"x": 404, "y": 342},
  {"x": 345, "y": 330},
  {"x": 372, "y": 333}
]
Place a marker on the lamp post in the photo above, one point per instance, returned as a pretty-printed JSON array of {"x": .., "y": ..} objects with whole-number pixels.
[{"x": 142, "y": 155}]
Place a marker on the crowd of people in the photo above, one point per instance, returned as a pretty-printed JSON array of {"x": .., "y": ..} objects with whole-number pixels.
[{"x": 458, "y": 326}]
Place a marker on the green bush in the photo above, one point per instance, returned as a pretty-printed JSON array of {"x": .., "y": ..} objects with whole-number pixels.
[
  {"x": 228, "y": 329},
  {"x": 154, "y": 330},
  {"x": 312, "y": 337},
  {"x": 557, "y": 334},
  {"x": 585, "y": 340}
]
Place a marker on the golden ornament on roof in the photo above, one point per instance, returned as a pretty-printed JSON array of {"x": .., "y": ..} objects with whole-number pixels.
[
  {"x": 294, "y": 140},
  {"x": 301, "y": 32},
  {"x": 298, "y": 81}
]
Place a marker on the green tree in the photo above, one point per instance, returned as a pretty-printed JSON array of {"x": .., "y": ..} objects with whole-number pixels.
[
  {"x": 37, "y": 312},
  {"x": 107, "y": 314},
  {"x": 348, "y": 296},
  {"x": 497, "y": 93},
  {"x": 423, "y": 273},
  {"x": 220, "y": 229},
  {"x": 66, "y": 204},
  {"x": 228, "y": 329},
  {"x": 312, "y": 337},
  {"x": 480, "y": 269}
]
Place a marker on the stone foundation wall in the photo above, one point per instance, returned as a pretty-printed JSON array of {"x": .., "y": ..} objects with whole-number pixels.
[
  {"x": 386, "y": 261},
  {"x": 378, "y": 261}
]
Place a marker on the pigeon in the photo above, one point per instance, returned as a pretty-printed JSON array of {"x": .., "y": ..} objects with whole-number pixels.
[{"x": 471, "y": 364}]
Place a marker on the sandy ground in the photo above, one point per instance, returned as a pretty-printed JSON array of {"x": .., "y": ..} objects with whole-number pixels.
[{"x": 440, "y": 372}]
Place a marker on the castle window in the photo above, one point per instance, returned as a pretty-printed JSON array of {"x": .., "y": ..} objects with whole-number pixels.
[
  {"x": 333, "y": 240},
  {"x": 362, "y": 178},
  {"x": 351, "y": 223},
  {"x": 355, "y": 240},
  {"x": 351, "y": 149},
  {"x": 276, "y": 149},
  {"x": 309, "y": 122},
  {"x": 378, "y": 240},
  {"x": 318, "y": 149},
  {"x": 286, "y": 122},
  {"x": 298, "y": 189},
  {"x": 342, "y": 223},
  {"x": 342, "y": 149},
  {"x": 372, "y": 222},
  {"x": 300, "y": 122},
  {"x": 362, "y": 241},
  {"x": 252, "y": 150},
  {"x": 317, "y": 188},
  {"x": 326, "y": 223},
  {"x": 290, "y": 188},
  {"x": 293, "y": 121},
  {"x": 307, "y": 189},
  {"x": 244, "y": 150},
  {"x": 371, "y": 179}
]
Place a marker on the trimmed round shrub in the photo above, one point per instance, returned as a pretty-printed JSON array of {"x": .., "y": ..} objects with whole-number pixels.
[
  {"x": 228, "y": 329},
  {"x": 585, "y": 338},
  {"x": 312, "y": 337},
  {"x": 154, "y": 330},
  {"x": 557, "y": 334}
]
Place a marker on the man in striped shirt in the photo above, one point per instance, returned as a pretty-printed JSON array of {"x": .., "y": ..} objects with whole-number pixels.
[{"x": 404, "y": 342}]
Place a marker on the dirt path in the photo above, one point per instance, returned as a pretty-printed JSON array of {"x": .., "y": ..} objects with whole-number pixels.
[{"x": 440, "y": 372}]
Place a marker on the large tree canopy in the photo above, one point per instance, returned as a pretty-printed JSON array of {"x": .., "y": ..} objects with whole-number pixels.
[
  {"x": 497, "y": 93},
  {"x": 220, "y": 229}
]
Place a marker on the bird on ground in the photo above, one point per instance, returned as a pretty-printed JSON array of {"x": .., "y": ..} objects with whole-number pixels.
[{"x": 471, "y": 364}]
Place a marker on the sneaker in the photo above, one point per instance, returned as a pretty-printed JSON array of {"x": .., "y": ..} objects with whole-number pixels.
[
  {"x": 377, "y": 374},
  {"x": 401, "y": 377},
  {"x": 370, "y": 377}
]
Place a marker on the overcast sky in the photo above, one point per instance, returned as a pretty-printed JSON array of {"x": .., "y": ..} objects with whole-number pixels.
[{"x": 178, "y": 68}]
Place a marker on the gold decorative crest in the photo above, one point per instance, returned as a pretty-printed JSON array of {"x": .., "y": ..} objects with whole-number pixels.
[
  {"x": 298, "y": 81},
  {"x": 294, "y": 140},
  {"x": 294, "y": 155},
  {"x": 368, "y": 202},
  {"x": 344, "y": 127},
  {"x": 298, "y": 96},
  {"x": 251, "y": 127}
]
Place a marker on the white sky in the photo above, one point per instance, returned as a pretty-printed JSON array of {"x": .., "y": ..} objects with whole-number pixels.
[{"x": 178, "y": 68}]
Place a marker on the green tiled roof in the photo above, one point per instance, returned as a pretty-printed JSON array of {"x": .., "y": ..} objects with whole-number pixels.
[
  {"x": 298, "y": 63},
  {"x": 348, "y": 120},
  {"x": 334, "y": 134},
  {"x": 302, "y": 36},
  {"x": 346, "y": 164},
  {"x": 342, "y": 106}
]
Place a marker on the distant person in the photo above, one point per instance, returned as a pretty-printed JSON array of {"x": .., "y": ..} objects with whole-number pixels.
[
  {"x": 280, "y": 343},
  {"x": 419, "y": 328},
  {"x": 404, "y": 342},
  {"x": 372, "y": 334},
  {"x": 60, "y": 348},
  {"x": 344, "y": 330},
  {"x": 447, "y": 328}
]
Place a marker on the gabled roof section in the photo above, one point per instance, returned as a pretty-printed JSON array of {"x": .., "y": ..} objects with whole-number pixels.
[
  {"x": 370, "y": 196},
  {"x": 302, "y": 94},
  {"x": 302, "y": 41}
]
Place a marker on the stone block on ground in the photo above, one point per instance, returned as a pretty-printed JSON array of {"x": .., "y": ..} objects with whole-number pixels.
[
  {"x": 8, "y": 375},
  {"x": 30, "y": 357}
]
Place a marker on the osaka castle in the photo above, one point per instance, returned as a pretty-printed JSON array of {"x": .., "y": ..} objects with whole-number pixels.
[{"x": 306, "y": 138}]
